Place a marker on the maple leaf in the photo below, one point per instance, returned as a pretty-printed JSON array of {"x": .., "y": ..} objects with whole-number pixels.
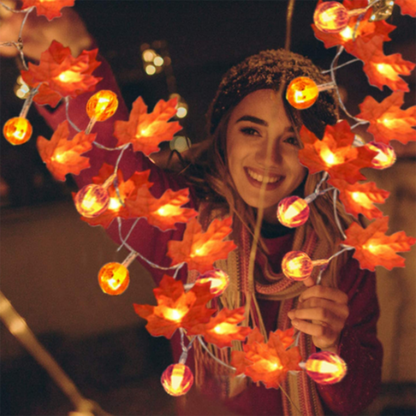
[
  {"x": 334, "y": 153},
  {"x": 175, "y": 308},
  {"x": 63, "y": 156},
  {"x": 267, "y": 362},
  {"x": 49, "y": 8},
  {"x": 381, "y": 69},
  {"x": 387, "y": 121},
  {"x": 374, "y": 248},
  {"x": 164, "y": 212},
  {"x": 365, "y": 31},
  {"x": 222, "y": 329},
  {"x": 200, "y": 250},
  {"x": 127, "y": 190},
  {"x": 145, "y": 131},
  {"x": 360, "y": 198},
  {"x": 60, "y": 75},
  {"x": 407, "y": 7}
]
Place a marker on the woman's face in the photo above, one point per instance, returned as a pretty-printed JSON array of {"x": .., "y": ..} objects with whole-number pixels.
[{"x": 258, "y": 118}]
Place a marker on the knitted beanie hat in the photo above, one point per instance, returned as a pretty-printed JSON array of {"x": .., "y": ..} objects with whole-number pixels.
[{"x": 267, "y": 70}]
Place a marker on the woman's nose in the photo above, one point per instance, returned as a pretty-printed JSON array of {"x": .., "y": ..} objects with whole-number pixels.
[{"x": 261, "y": 153}]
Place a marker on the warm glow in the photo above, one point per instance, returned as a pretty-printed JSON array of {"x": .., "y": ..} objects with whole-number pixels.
[
  {"x": 292, "y": 211},
  {"x": 17, "y": 130},
  {"x": 200, "y": 251},
  {"x": 177, "y": 379},
  {"x": 69, "y": 77},
  {"x": 62, "y": 157},
  {"x": 92, "y": 200},
  {"x": 302, "y": 92},
  {"x": 373, "y": 248},
  {"x": 148, "y": 55},
  {"x": 102, "y": 105},
  {"x": 271, "y": 366},
  {"x": 386, "y": 156},
  {"x": 330, "y": 158},
  {"x": 158, "y": 61},
  {"x": 331, "y": 17},
  {"x": 181, "y": 112},
  {"x": 225, "y": 328},
  {"x": 386, "y": 70},
  {"x": 114, "y": 204},
  {"x": 347, "y": 33},
  {"x": 113, "y": 278},
  {"x": 150, "y": 70},
  {"x": 219, "y": 281},
  {"x": 169, "y": 210},
  {"x": 174, "y": 315},
  {"x": 326, "y": 367},
  {"x": 297, "y": 265}
]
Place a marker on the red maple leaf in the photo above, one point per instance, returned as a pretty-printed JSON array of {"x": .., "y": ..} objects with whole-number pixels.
[
  {"x": 145, "y": 131},
  {"x": 127, "y": 190},
  {"x": 60, "y": 75},
  {"x": 200, "y": 250},
  {"x": 366, "y": 29},
  {"x": 360, "y": 198},
  {"x": 334, "y": 153},
  {"x": 222, "y": 329},
  {"x": 381, "y": 69},
  {"x": 407, "y": 7},
  {"x": 63, "y": 156},
  {"x": 50, "y": 9},
  {"x": 387, "y": 121},
  {"x": 164, "y": 212},
  {"x": 374, "y": 248},
  {"x": 267, "y": 362},
  {"x": 175, "y": 308}
]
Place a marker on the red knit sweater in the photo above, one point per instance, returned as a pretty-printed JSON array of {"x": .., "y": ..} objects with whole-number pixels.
[{"x": 359, "y": 345}]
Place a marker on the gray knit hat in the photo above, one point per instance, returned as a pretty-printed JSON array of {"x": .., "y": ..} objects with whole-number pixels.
[{"x": 266, "y": 71}]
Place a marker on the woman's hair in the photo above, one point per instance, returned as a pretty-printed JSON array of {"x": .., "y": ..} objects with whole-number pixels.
[{"x": 209, "y": 173}]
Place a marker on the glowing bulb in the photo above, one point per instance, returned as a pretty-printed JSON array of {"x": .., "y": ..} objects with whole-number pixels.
[
  {"x": 386, "y": 156},
  {"x": 181, "y": 112},
  {"x": 168, "y": 210},
  {"x": 302, "y": 92},
  {"x": 177, "y": 379},
  {"x": 92, "y": 200},
  {"x": 102, "y": 105},
  {"x": 148, "y": 55},
  {"x": 332, "y": 17},
  {"x": 150, "y": 70},
  {"x": 347, "y": 33},
  {"x": 326, "y": 367},
  {"x": 292, "y": 211},
  {"x": 17, "y": 130},
  {"x": 330, "y": 158},
  {"x": 386, "y": 70},
  {"x": 158, "y": 61},
  {"x": 174, "y": 315},
  {"x": 219, "y": 281},
  {"x": 69, "y": 76},
  {"x": 297, "y": 265},
  {"x": 113, "y": 278},
  {"x": 114, "y": 204}
]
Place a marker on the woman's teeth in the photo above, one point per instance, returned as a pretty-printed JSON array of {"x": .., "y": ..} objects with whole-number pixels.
[{"x": 260, "y": 178}]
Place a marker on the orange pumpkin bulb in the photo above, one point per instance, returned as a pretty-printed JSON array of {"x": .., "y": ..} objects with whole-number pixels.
[
  {"x": 386, "y": 156},
  {"x": 326, "y": 367},
  {"x": 219, "y": 281},
  {"x": 177, "y": 379},
  {"x": 302, "y": 93},
  {"x": 92, "y": 200},
  {"x": 292, "y": 211},
  {"x": 297, "y": 265},
  {"x": 17, "y": 130},
  {"x": 114, "y": 278},
  {"x": 331, "y": 17},
  {"x": 102, "y": 105}
]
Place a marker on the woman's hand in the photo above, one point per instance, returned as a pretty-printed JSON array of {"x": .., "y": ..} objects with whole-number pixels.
[
  {"x": 321, "y": 312},
  {"x": 38, "y": 32}
]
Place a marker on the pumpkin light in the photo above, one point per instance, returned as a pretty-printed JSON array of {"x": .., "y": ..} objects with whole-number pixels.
[
  {"x": 326, "y": 367},
  {"x": 293, "y": 211},
  {"x": 297, "y": 265},
  {"x": 219, "y": 281},
  {"x": 100, "y": 107},
  {"x": 17, "y": 130},
  {"x": 386, "y": 156},
  {"x": 333, "y": 17},
  {"x": 177, "y": 379}
]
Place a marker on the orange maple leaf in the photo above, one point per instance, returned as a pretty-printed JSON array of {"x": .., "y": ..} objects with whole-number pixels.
[
  {"x": 407, "y": 7},
  {"x": 374, "y": 248},
  {"x": 164, "y": 212},
  {"x": 60, "y": 75},
  {"x": 360, "y": 198},
  {"x": 145, "y": 131},
  {"x": 334, "y": 153},
  {"x": 175, "y": 308},
  {"x": 127, "y": 190},
  {"x": 50, "y": 9},
  {"x": 381, "y": 69},
  {"x": 365, "y": 31},
  {"x": 200, "y": 250},
  {"x": 222, "y": 329},
  {"x": 63, "y": 156},
  {"x": 267, "y": 362},
  {"x": 387, "y": 121}
]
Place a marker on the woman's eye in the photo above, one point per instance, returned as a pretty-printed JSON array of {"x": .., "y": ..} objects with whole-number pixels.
[
  {"x": 292, "y": 140},
  {"x": 249, "y": 131}
]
